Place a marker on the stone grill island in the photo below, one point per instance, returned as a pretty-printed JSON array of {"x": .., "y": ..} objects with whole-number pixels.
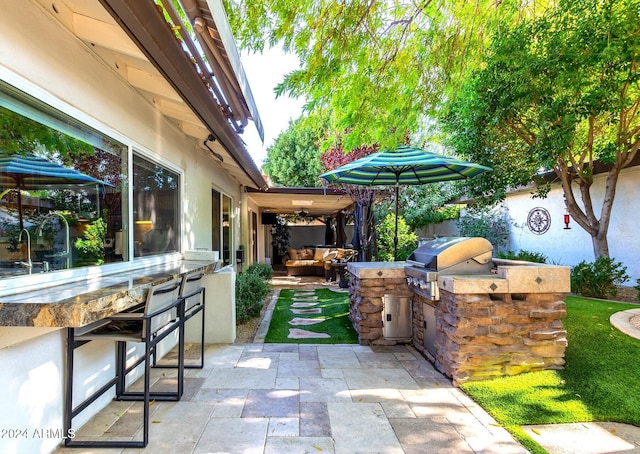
[{"x": 505, "y": 322}]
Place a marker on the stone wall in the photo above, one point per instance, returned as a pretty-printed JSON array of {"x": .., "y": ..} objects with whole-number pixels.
[
  {"x": 482, "y": 336},
  {"x": 368, "y": 283}
]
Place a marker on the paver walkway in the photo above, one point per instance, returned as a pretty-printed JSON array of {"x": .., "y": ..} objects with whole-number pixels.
[{"x": 288, "y": 398}]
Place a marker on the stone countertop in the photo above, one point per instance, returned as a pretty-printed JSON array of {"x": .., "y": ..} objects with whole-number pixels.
[
  {"x": 83, "y": 302},
  {"x": 510, "y": 277},
  {"x": 372, "y": 270}
]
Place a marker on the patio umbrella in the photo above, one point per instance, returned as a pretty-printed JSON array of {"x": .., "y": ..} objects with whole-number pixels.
[
  {"x": 28, "y": 171},
  {"x": 406, "y": 166}
]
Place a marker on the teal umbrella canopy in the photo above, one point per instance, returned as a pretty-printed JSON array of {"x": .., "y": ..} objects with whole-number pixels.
[
  {"x": 403, "y": 166},
  {"x": 28, "y": 172},
  {"x": 33, "y": 172}
]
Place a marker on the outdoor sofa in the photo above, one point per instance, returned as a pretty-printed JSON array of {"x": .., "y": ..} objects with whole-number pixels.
[{"x": 315, "y": 261}]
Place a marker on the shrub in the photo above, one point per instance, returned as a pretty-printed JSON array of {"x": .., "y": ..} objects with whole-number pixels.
[
  {"x": 251, "y": 290},
  {"x": 489, "y": 223},
  {"x": 598, "y": 279},
  {"x": 637, "y": 287},
  {"x": 261, "y": 269},
  {"x": 407, "y": 240},
  {"x": 527, "y": 256}
]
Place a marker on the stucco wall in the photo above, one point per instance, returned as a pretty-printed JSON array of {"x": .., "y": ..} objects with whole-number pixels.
[
  {"x": 569, "y": 247},
  {"x": 43, "y": 59}
]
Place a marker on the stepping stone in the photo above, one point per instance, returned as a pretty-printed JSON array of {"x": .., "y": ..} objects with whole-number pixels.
[
  {"x": 305, "y": 298},
  {"x": 297, "y": 333},
  {"x": 313, "y": 310},
  {"x": 306, "y": 321},
  {"x": 304, "y": 304},
  {"x": 304, "y": 294}
]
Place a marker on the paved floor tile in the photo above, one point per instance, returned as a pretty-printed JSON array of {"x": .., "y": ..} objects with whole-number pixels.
[
  {"x": 222, "y": 356},
  {"x": 428, "y": 403},
  {"x": 586, "y": 438},
  {"x": 231, "y": 435},
  {"x": 271, "y": 402},
  {"x": 332, "y": 373},
  {"x": 288, "y": 383},
  {"x": 259, "y": 360},
  {"x": 308, "y": 352},
  {"x": 241, "y": 378},
  {"x": 378, "y": 360},
  {"x": 433, "y": 435},
  {"x": 379, "y": 379},
  {"x": 284, "y": 427},
  {"x": 299, "y": 445},
  {"x": 314, "y": 420},
  {"x": 337, "y": 357},
  {"x": 289, "y": 356},
  {"x": 228, "y": 402},
  {"x": 301, "y": 368},
  {"x": 361, "y": 427},
  {"x": 280, "y": 348},
  {"x": 324, "y": 390}
]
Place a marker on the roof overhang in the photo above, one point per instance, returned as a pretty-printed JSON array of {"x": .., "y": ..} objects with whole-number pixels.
[
  {"x": 134, "y": 38},
  {"x": 288, "y": 200}
]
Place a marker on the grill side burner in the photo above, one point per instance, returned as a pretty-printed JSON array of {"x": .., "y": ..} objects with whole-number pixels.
[{"x": 446, "y": 256}]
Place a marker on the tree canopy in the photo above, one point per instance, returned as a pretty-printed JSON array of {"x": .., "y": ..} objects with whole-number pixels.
[
  {"x": 380, "y": 68},
  {"x": 294, "y": 158},
  {"x": 559, "y": 92}
]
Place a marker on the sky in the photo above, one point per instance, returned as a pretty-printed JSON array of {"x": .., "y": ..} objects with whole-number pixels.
[{"x": 264, "y": 71}]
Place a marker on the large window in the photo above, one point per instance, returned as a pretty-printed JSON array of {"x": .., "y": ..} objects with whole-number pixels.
[
  {"x": 61, "y": 187},
  {"x": 64, "y": 193},
  {"x": 156, "y": 211}
]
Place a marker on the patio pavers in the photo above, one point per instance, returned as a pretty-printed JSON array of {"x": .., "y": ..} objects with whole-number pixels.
[{"x": 268, "y": 398}]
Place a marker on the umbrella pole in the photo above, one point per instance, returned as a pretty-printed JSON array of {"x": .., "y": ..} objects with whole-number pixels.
[
  {"x": 20, "y": 209},
  {"x": 395, "y": 237}
]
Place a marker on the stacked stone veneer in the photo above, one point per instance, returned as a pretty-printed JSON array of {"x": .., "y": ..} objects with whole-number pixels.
[
  {"x": 486, "y": 326},
  {"x": 368, "y": 283}
]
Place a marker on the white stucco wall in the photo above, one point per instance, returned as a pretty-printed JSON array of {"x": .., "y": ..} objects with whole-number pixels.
[
  {"x": 569, "y": 247},
  {"x": 43, "y": 59}
]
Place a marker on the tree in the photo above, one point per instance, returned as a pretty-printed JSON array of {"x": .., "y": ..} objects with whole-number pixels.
[
  {"x": 559, "y": 92},
  {"x": 407, "y": 239},
  {"x": 364, "y": 236},
  {"x": 294, "y": 158},
  {"x": 380, "y": 68}
]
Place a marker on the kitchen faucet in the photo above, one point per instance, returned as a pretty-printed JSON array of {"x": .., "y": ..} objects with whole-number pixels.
[{"x": 28, "y": 264}]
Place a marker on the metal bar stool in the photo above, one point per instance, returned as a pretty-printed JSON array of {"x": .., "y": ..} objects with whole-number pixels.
[
  {"x": 193, "y": 294},
  {"x": 162, "y": 315}
]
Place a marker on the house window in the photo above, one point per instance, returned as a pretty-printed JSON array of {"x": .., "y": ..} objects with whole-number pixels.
[
  {"x": 221, "y": 225},
  {"x": 61, "y": 190},
  {"x": 156, "y": 208}
]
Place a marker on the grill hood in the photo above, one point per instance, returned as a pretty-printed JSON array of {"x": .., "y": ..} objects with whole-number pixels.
[{"x": 454, "y": 255}]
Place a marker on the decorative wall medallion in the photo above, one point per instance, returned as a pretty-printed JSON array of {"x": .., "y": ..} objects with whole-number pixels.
[{"x": 539, "y": 220}]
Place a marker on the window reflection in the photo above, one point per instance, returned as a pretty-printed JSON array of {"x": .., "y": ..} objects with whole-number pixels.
[
  {"x": 156, "y": 210},
  {"x": 60, "y": 194}
]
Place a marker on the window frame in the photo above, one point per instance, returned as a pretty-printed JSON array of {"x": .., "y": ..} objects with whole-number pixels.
[{"x": 20, "y": 284}]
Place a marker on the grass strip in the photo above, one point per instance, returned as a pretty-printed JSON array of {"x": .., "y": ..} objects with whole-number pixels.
[
  {"x": 599, "y": 381},
  {"x": 335, "y": 309}
]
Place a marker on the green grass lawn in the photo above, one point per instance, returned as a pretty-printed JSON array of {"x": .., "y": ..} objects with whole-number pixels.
[
  {"x": 335, "y": 309},
  {"x": 600, "y": 381}
]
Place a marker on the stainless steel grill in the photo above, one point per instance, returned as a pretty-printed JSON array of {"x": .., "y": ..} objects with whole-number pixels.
[{"x": 446, "y": 256}]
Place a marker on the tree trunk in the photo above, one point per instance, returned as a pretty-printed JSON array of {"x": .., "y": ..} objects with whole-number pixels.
[
  {"x": 600, "y": 246},
  {"x": 585, "y": 215}
]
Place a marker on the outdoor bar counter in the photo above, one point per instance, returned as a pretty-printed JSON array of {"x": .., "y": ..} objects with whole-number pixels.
[
  {"x": 84, "y": 302},
  {"x": 33, "y": 341}
]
